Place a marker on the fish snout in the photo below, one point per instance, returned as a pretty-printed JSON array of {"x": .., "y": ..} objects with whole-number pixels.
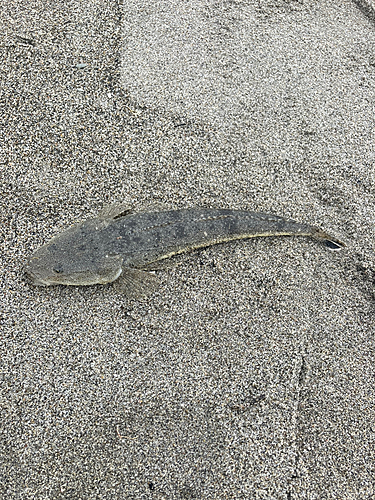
[{"x": 32, "y": 276}]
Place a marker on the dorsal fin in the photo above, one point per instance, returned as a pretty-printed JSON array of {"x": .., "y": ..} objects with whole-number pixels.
[{"x": 114, "y": 211}]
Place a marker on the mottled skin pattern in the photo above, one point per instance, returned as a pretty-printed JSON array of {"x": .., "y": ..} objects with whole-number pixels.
[{"x": 100, "y": 250}]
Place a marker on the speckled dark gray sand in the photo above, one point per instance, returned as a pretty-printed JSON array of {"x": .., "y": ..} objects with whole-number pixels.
[{"x": 249, "y": 374}]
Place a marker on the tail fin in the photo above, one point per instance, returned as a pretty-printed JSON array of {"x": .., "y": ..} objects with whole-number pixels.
[{"x": 330, "y": 241}]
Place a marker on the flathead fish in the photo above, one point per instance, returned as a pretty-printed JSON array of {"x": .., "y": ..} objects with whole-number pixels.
[{"x": 118, "y": 245}]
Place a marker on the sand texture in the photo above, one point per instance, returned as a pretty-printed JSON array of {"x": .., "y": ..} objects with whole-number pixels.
[{"x": 249, "y": 374}]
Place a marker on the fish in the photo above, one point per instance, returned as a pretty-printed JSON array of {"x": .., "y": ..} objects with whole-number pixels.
[{"x": 121, "y": 245}]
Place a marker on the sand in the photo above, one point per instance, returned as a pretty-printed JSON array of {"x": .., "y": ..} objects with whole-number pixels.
[{"x": 249, "y": 373}]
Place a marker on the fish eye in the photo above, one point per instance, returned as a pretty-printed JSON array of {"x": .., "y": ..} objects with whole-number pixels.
[{"x": 58, "y": 268}]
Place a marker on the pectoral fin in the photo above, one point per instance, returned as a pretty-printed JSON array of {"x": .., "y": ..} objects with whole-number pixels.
[{"x": 136, "y": 284}]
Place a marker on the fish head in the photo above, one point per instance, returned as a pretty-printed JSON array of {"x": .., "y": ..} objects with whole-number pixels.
[{"x": 75, "y": 257}]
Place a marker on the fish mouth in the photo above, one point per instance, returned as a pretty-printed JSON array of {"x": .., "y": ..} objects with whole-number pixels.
[{"x": 33, "y": 278}]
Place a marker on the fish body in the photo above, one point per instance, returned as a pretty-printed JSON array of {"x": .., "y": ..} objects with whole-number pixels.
[{"x": 120, "y": 243}]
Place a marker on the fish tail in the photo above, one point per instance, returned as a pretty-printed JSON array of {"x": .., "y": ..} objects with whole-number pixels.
[{"x": 332, "y": 242}]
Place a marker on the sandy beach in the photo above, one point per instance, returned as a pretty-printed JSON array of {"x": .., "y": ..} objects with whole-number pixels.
[{"x": 249, "y": 373}]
